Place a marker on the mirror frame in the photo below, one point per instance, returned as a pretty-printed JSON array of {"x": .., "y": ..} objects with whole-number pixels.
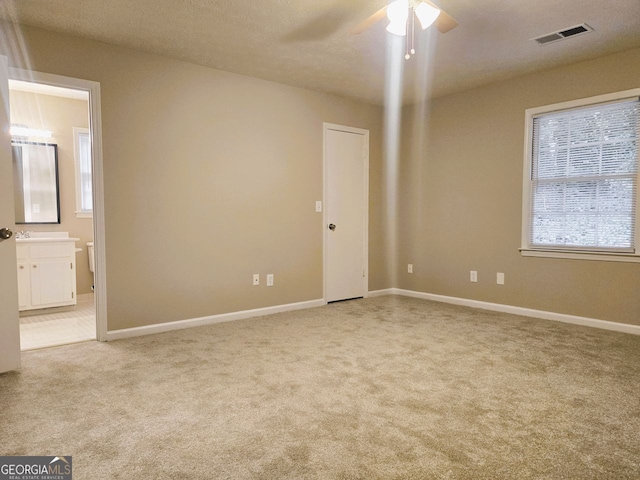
[{"x": 16, "y": 142}]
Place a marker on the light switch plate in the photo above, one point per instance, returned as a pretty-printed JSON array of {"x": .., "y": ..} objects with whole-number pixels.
[{"x": 318, "y": 205}]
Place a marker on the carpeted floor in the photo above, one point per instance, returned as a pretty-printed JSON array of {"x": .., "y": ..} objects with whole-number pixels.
[{"x": 382, "y": 388}]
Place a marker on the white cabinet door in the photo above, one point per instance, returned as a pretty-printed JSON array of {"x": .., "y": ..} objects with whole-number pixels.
[
  {"x": 51, "y": 282},
  {"x": 23, "y": 284}
]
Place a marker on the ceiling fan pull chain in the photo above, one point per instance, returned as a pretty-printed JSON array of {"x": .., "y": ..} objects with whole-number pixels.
[
  {"x": 413, "y": 32},
  {"x": 406, "y": 38}
]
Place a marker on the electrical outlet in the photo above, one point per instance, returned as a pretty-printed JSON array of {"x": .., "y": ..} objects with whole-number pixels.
[
  {"x": 410, "y": 268},
  {"x": 500, "y": 278},
  {"x": 269, "y": 279},
  {"x": 473, "y": 276},
  {"x": 256, "y": 279}
]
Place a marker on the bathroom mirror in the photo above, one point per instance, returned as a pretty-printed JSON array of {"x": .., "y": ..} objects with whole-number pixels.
[{"x": 35, "y": 182}]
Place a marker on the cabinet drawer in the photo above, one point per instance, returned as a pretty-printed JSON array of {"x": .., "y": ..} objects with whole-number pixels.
[
  {"x": 50, "y": 251},
  {"x": 22, "y": 252}
]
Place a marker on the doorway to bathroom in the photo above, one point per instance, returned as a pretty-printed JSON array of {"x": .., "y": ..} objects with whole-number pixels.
[{"x": 53, "y": 124}]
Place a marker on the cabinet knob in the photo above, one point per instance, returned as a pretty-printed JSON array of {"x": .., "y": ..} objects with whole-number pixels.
[
  {"x": 21, "y": 267},
  {"x": 35, "y": 266}
]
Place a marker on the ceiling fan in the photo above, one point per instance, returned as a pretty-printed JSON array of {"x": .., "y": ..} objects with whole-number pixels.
[{"x": 402, "y": 13}]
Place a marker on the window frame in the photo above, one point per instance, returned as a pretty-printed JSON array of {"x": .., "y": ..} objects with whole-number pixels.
[
  {"x": 77, "y": 131},
  {"x": 529, "y": 250}
]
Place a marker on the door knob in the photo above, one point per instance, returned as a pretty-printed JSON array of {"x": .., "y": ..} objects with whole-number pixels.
[
  {"x": 332, "y": 227},
  {"x": 5, "y": 233}
]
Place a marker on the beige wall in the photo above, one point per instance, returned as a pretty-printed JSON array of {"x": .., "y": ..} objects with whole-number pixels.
[
  {"x": 209, "y": 178},
  {"x": 60, "y": 115},
  {"x": 461, "y": 169}
]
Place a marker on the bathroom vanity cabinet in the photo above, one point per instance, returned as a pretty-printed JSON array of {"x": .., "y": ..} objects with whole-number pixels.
[{"x": 46, "y": 272}]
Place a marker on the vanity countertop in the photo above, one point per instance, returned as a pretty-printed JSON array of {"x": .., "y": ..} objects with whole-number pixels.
[
  {"x": 45, "y": 239},
  {"x": 35, "y": 237}
]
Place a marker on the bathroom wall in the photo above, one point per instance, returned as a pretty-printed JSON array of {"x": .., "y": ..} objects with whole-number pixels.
[{"x": 60, "y": 115}]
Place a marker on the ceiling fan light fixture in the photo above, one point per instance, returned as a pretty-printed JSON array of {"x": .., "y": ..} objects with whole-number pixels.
[
  {"x": 398, "y": 14},
  {"x": 397, "y": 28},
  {"x": 426, "y": 14}
]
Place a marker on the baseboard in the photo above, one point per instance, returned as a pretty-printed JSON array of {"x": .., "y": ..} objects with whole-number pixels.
[
  {"x": 526, "y": 312},
  {"x": 85, "y": 297},
  {"x": 380, "y": 293},
  {"x": 210, "y": 320}
]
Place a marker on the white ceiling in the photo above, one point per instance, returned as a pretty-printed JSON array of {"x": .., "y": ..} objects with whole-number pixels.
[{"x": 306, "y": 43}]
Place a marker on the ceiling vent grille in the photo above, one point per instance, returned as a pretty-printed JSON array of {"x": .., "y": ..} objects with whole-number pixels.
[{"x": 562, "y": 34}]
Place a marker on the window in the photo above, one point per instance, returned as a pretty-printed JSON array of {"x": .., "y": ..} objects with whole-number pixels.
[
  {"x": 581, "y": 179},
  {"x": 82, "y": 154}
]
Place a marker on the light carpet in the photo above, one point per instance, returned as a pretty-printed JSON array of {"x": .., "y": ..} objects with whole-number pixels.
[{"x": 381, "y": 388}]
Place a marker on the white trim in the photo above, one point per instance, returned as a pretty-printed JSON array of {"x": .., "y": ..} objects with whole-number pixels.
[
  {"x": 360, "y": 131},
  {"x": 603, "y": 257},
  {"x": 95, "y": 122},
  {"x": 245, "y": 314},
  {"x": 526, "y": 312},
  {"x": 382, "y": 293},
  {"x": 85, "y": 297},
  {"x": 526, "y": 249},
  {"x": 210, "y": 320}
]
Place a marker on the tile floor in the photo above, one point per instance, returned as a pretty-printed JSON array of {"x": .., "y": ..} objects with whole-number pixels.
[{"x": 78, "y": 325}]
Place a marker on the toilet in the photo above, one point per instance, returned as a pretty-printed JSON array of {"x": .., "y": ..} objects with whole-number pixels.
[{"x": 92, "y": 260}]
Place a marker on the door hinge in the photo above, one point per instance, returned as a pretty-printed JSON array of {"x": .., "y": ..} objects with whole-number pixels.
[
  {"x": 71, "y": 265},
  {"x": 71, "y": 294}
]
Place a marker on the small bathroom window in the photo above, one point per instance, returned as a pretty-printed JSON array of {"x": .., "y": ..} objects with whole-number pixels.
[{"x": 82, "y": 154}]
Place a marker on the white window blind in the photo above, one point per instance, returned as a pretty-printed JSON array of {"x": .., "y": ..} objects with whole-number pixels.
[
  {"x": 86, "y": 200},
  {"x": 84, "y": 187},
  {"x": 584, "y": 178}
]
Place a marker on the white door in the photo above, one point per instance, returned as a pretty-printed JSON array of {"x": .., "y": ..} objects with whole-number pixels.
[
  {"x": 9, "y": 322},
  {"x": 346, "y": 186}
]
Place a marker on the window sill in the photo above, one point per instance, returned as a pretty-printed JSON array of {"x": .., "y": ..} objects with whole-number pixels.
[
  {"x": 84, "y": 214},
  {"x": 600, "y": 256}
]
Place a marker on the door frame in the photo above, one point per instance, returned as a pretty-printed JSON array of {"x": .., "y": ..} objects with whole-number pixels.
[
  {"x": 95, "y": 126},
  {"x": 325, "y": 190}
]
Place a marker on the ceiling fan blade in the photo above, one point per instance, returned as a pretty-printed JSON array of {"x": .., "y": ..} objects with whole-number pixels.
[
  {"x": 444, "y": 22},
  {"x": 369, "y": 21}
]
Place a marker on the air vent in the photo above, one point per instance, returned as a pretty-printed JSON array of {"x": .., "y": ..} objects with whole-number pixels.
[{"x": 562, "y": 34}]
